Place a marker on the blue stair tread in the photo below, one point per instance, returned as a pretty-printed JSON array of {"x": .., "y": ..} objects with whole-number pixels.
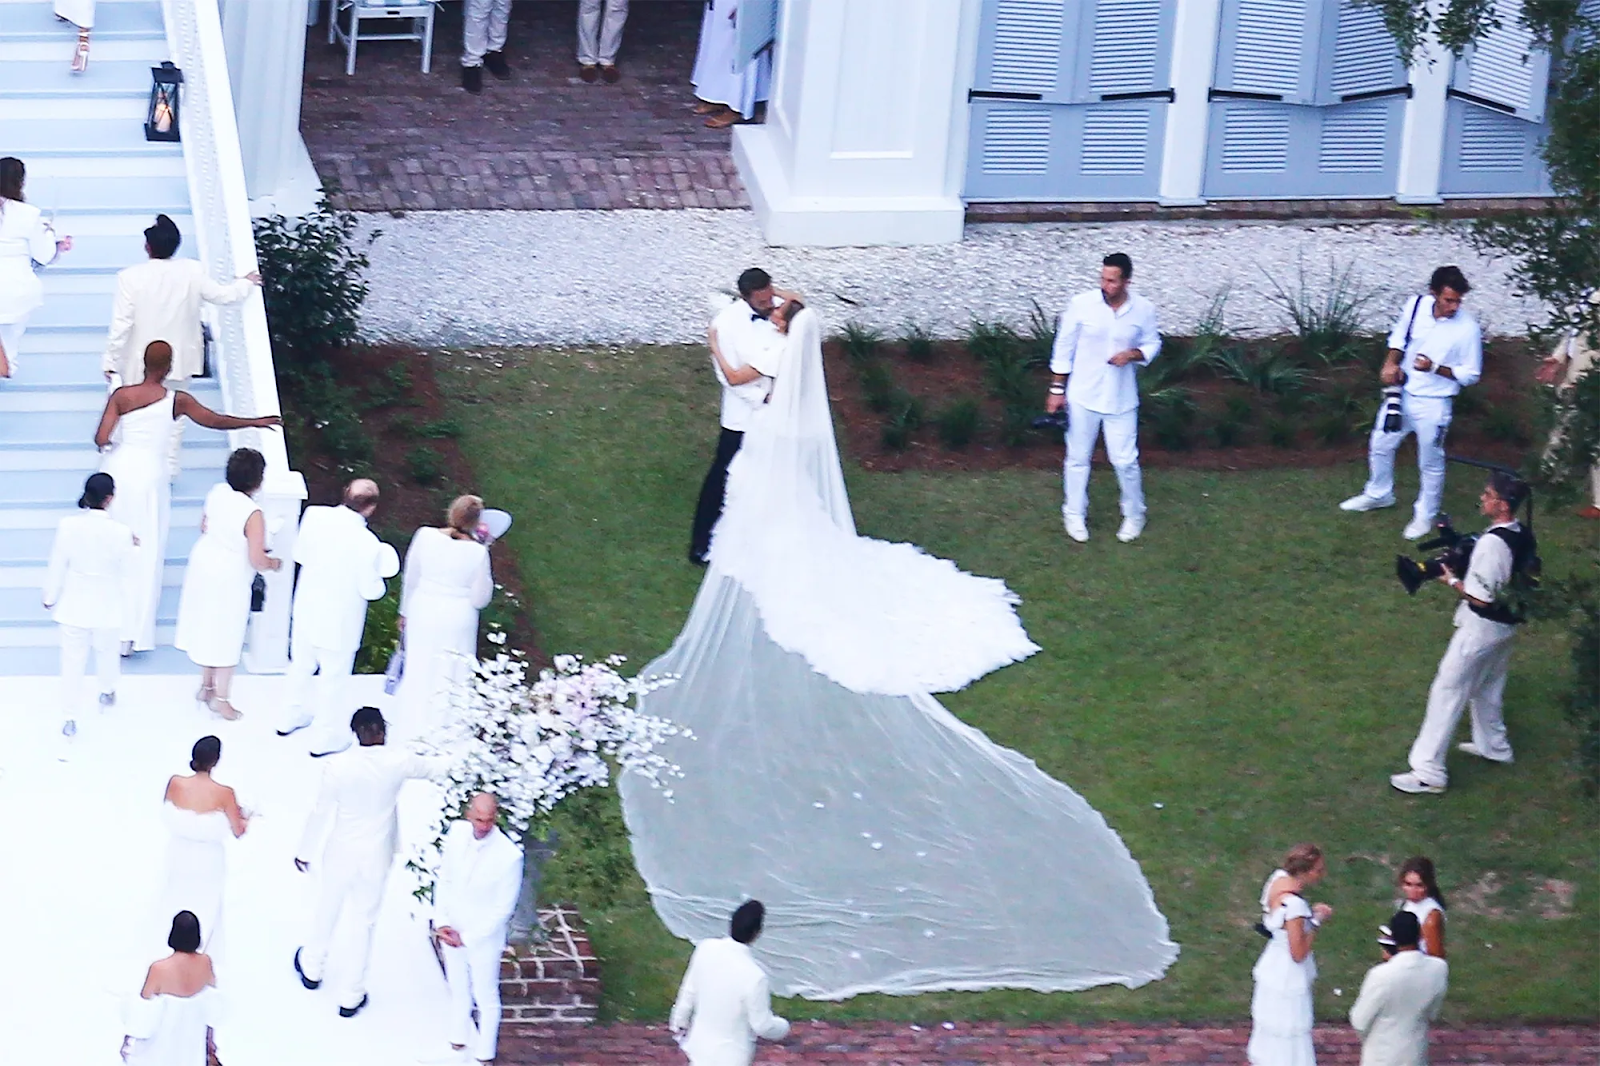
[
  {"x": 120, "y": 20},
  {"x": 31, "y": 547},
  {"x": 45, "y": 661},
  {"x": 95, "y": 137},
  {"x": 149, "y": 195},
  {"x": 105, "y": 254},
  {"x": 36, "y": 78},
  {"x": 60, "y": 488},
  {"x": 73, "y": 427},
  {"x": 22, "y": 606}
]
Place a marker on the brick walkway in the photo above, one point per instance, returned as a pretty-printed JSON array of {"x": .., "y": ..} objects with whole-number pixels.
[
  {"x": 817, "y": 1044},
  {"x": 397, "y": 139}
]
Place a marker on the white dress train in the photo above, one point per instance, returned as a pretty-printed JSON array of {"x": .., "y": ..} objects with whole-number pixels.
[
  {"x": 1280, "y": 1007},
  {"x": 137, "y": 462},
  {"x": 446, "y": 583},
  {"x": 196, "y": 868}
]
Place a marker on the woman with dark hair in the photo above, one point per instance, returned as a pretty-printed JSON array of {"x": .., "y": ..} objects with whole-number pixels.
[
  {"x": 89, "y": 563},
  {"x": 1419, "y": 888},
  {"x": 200, "y": 815},
  {"x": 214, "y": 610},
  {"x": 25, "y": 239},
  {"x": 170, "y": 1022},
  {"x": 1280, "y": 1009}
]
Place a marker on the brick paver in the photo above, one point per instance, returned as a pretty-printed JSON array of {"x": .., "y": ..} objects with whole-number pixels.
[
  {"x": 979, "y": 1044},
  {"x": 397, "y": 139}
]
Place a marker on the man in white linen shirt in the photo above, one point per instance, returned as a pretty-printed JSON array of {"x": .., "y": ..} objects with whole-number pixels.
[
  {"x": 1473, "y": 670},
  {"x": 360, "y": 788},
  {"x": 723, "y": 1002},
  {"x": 1101, "y": 337},
  {"x": 342, "y": 565},
  {"x": 1435, "y": 350},
  {"x": 480, "y": 874},
  {"x": 1399, "y": 997}
]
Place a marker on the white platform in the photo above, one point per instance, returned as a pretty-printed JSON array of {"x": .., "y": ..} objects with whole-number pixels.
[{"x": 83, "y": 846}]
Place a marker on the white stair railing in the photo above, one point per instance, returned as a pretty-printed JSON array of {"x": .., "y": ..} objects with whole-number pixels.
[{"x": 242, "y": 352}]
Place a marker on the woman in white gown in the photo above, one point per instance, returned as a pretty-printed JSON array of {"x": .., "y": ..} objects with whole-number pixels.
[
  {"x": 201, "y": 815},
  {"x": 25, "y": 239},
  {"x": 134, "y": 436},
  {"x": 1280, "y": 1009},
  {"x": 214, "y": 610},
  {"x": 169, "y": 1023},
  {"x": 446, "y": 582},
  {"x": 723, "y": 90}
]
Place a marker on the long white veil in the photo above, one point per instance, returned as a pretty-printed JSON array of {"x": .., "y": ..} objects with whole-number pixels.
[{"x": 896, "y": 849}]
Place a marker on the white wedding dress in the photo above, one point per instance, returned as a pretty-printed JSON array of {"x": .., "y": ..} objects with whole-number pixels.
[
  {"x": 896, "y": 849},
  {"x": 196, "y": 870}
]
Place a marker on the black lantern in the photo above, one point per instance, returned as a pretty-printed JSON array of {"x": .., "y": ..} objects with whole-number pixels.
[{"x": 162, "y": 123}]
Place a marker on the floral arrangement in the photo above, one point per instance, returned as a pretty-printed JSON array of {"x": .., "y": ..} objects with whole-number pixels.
[{"x": 533, "y": 743}]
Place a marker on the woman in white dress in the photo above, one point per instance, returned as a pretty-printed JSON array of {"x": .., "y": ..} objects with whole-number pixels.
[
  {"x": 200, "y": 816},
  {"x": 214, "y": 611},
  {"x": 1280, "y": 1009},
  {"x": 447, "y": 581},
  {"x": 25, "y": 239},
  {"x": 724, "y": 92},
  {"x": 81, "y": 14},
  {"x": 134, "y": 437},
  {"x": 1419, "y": 887},
  {"x": 169, "y": 1023}
]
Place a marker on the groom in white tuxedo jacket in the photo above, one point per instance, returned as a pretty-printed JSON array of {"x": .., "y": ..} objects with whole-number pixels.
[
  {"x": 359, "y": 790},
  {"x": 342, "y": 566},
  {"x": 1399, "y": 997},
  {"x": 724, "y": 1003}
]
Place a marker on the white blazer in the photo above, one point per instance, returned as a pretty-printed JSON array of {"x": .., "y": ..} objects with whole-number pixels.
[
  {"x": 1398, "y": 999},
  {"x": 88, "y": 561},
  {"x": 342, "y": 565},
  {"x": 359, "y": 788},
  {"x": 725, "y": 1004},
  {"x": 478, "y": 885},
  {"x": 25, "y": 239},
  {"x": 159, "y": 300}
]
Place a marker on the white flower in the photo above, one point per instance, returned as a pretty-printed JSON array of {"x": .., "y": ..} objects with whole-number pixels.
[{"x": 497, "y": 638}]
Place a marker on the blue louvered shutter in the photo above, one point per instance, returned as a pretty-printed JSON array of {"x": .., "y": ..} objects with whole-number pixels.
[
  {"x": 1504, "y": 70},
  {"x": 757, "y": 28},
  {"x": 1268, "y": 49},
  {"x": 1129, "y": 50},
  {"x": 1022, "y": 49},
  {"x": 1359, "y": 57}
]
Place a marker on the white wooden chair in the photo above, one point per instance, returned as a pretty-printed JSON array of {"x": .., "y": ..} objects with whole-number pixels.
[{"x": 420, "y": 12}]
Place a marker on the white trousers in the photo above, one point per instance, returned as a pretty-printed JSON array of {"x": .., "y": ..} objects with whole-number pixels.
[
  {"x": 75, "y": 644},
  {"x": 356, "y": 890},
  {"x": 318, "y": 693},
  {"x": 1084, "y": 427},
  {"x": 483, "y": 29},
  {"x": 1473, "y": 671},
  {"x": 473, "y": 971},
  {"x": 11, "y": 339},
  {"x": 599, "y": 38},
  {"x": 1429, "y": 418}
]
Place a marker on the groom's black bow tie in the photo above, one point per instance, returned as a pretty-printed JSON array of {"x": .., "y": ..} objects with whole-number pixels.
[{"x": 754, "y": 317}]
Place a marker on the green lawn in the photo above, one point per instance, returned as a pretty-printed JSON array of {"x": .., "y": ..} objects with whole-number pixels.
[{"x": 1250, "y": 664}]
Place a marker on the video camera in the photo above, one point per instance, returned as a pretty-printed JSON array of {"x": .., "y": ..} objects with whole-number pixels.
[{"x": 1456, "y": 553}]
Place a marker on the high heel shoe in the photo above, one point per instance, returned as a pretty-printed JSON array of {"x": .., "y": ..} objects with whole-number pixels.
[
  {"x": 80, "y": 57},
  {"x": 223, "y": 709},
  {"x": 204, "y": 693}
]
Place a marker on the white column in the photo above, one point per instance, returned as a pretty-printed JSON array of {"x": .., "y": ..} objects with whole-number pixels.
[
  {"x": 1422, "y": 132},
  {"x": 864, "y": 141},
  {"x": 266, "y": 46},
  {"x": 1194, "y": 57}
]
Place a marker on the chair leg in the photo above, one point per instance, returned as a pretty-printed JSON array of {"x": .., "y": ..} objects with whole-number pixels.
[
  {"x": 355, "y": 35},
  {"x": 333, "y": 20},
  {"x": 427, "y": 43}
]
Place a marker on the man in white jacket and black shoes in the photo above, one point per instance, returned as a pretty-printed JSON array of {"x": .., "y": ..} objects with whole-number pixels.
[
  {"x": 480, "y": 874},
  {"x": 1399, "y": 997},
  {"x": 724, "y": 1003},
  {"x": 343, "y": 564}
]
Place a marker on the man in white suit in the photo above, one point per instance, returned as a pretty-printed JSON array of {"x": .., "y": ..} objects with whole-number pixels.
[
  {"x": 1398, "y": 999},
  {"x": 342, "y": 565},
  {"x": 724, "y": 1003},
  {"x": 358, "y": 795},
  {"x": 480, "y": 875}
]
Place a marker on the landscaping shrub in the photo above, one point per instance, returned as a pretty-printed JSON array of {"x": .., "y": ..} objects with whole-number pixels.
[
  {"x": 861, "y": 343},
  {"x": 1016, "y": 424},
  {"x": 918, "y": 342},
  {"x": 1333, "y": 428},
  {"x": 958, "y": 423},
  {"x": 1241, "y": 410},
  {"x": 877, "y": 384},
  {"x": 990, "y": 342},
  {"x": 424, "y": 466},
  {"x": 1270, "y": 371},
  {"x": 391, "y": 388},
  {"x": 905, "y": 418},
  {"x": 1280, "y": 433},
  {"x": 1228, "y": 432},
  {"x": 312, "y": 281},
  {"x": 1329, "y": 318},
  {"x": 1505, "y": 423},
  {"x": 1040, "y": 340},
  {"x": 1171, "y": 413},
  {"x": 382, "y": 633},
  {"x": 441, "y": 429}
]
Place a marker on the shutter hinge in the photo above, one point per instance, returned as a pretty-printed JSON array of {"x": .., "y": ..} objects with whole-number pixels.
[
  {"x": 1169, "y": 95},
  {"x": 994, "y": 94},
  {"x": 1374, "y": 94},
  {"x": 1237, "y": 94},
  {"x": 1481, "y": 101}
]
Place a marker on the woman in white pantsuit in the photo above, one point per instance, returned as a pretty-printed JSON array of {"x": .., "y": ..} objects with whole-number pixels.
[
  {"x": 81, "y": 14},
  {"x": 1280, "y": 1009},
  {"x": 214, "y": 610},
  {"x": 25, "y": 239},
  {"x": 447, "y": 582},
  {"x": 83, "y": 592}
]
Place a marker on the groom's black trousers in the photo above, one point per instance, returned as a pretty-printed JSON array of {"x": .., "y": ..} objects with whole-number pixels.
[{"x": 712, "y": 490}]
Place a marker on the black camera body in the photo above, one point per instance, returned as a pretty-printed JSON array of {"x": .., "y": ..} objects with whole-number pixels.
[{"x": 1456, "y": 554}]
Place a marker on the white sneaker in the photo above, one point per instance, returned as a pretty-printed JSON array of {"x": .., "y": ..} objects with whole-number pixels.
[
  {"x": 1416, "y": 786},
  {"x": 1076, "y": 528},
  {"x": 1472, "y": 749},
  {"x": 1417, "y": 528},
  {"x": 1363, "y": 502},
  {"x": 1131, "y": 528},
  {"x": 69, "y": 728},
  {"x": 108, "y": 699}
]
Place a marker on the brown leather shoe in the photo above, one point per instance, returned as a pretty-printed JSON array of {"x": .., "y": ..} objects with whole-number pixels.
[
  {"x": 588, "y": 71},
  {"x": 727, "y": 118},
  {"x": 706, "y": 107},
  {"x": 610, "y": 73}
]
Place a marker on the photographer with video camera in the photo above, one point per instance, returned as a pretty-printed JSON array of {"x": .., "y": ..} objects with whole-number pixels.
[
  {"x": 1473, "y": 669},
  {"x": 1435, "y": 350}
]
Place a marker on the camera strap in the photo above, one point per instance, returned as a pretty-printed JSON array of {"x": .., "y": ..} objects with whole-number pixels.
[{"x": 1405, "y": 345}]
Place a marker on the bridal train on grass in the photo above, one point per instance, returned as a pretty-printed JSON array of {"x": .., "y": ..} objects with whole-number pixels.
[{"x": 896, "y": 848}]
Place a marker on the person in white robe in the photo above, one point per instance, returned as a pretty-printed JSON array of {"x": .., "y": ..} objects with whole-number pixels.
[
  {"x": 25, "y": 239},
  {"x": 354, "y": 834},
  {"x": 83, "y": 592},
  {"x": 343, "y": 565},
  {"x": 726, "y": 92},
  {"x": 724, "y": 1004},
  {"x": 480, "y": 874}
]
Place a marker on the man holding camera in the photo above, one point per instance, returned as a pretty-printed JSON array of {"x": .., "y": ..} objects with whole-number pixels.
[
  {"x": 1435, "y": 350},
  {"x": 1473, "y": 669}
]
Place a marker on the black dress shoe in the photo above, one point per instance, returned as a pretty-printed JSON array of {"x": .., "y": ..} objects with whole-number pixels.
[
  {"x": 496, "y": 62},
  {"x": 291, "y": 732},
  {"x": 351, "y": 1012},
  {"x": 308, "y": 982},
  {"x": 472, "y": 79}
]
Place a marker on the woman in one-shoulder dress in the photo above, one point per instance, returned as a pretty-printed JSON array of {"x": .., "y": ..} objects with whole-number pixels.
[{"x": 1280, "y": 1009}]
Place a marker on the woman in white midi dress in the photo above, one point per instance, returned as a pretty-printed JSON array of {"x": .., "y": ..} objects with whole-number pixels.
[
  {"x": 200, "y": 816},
  {"x": 25, "y": 239},
  {"x": 1280, "y": 1010},
  {"x": 447, "y": 581},
  {"x": 214, "y": 610},
  {"x": 81, "y": 14},
  {"x": 169, "y": 1022}
]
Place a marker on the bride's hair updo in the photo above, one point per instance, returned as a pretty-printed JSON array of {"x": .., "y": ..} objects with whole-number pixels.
[
  {"x": 207, "y": 751},
  {"x": 464, "y": 514},
  {"x": 1302, "y": 859}
]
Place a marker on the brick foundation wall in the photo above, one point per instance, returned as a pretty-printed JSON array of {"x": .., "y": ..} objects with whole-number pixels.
[{"x": 554, "y": 983}]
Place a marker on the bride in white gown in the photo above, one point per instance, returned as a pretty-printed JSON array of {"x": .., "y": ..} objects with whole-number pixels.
[{"x": 896, "y": 848}]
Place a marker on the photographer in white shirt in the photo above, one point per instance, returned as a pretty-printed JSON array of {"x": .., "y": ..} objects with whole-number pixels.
[
  {"x": 1102, "y": 336},
  {"x": 1435, "y": 350}
]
